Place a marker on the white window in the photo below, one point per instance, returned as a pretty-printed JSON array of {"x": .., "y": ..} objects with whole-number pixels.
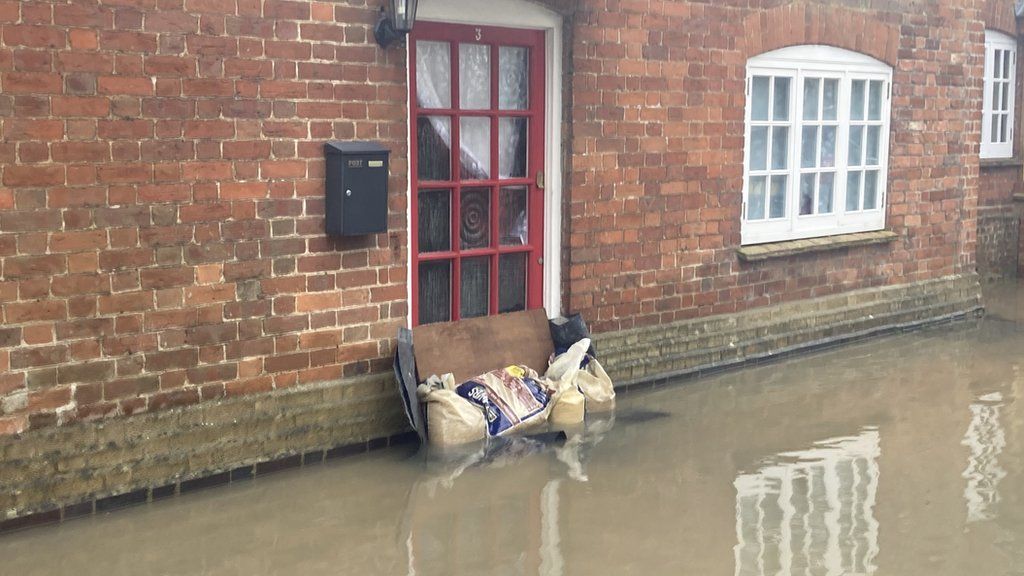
[
  {"x": 817, "y": 141},
  {"x": 1000, "y": 72}
]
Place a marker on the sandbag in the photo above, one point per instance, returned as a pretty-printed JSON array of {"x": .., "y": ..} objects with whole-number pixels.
[
  {"x": 564, "y": 366},
  {"x": 451, "y": 419},
  {"x": 568, "y": 408},
  {"x": 512, "y": 399},
  {"x": 596, "y": 386}
]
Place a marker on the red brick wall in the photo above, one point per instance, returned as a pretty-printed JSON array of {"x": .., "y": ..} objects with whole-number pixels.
[
  {"x": 161, "y": 234},
  {"x": 161, "y": 209},
  {"x": 658, "y": 152}
]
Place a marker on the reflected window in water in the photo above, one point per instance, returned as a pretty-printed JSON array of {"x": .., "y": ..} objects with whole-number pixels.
[
  {"x": 986, "y": 439},
  {"x": 811, "y": 511}
]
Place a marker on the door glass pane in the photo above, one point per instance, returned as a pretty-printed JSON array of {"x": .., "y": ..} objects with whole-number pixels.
[
  {"x": 853, "y": 191},
  {"x": 512, "y": 215},
  {"x": 811, "y": 87},
  {"x": 512, "y": 147},
  {"x": 778, "y": 197},
  {"x": 828, "y": 146},
  {"x": 475, "y": 213},
  {"x": 857, "y": 100},
  {"x": 513, "y": 78},
  {"x": 780, "y": 147},
  {"x": 781, "y": 99},
  {"x": 808, "y": 145},
  {"x": 475, "y": 135},
  {"x": 830, "y": 99},
  {"x": 871, "y": 157},
  {"x": 826, "y": 184},
  {"x": 474, "y": 76},
  {"x": 871, "y": 189},
  {"x": 758, "y": 147},
  {"x": 807, "y": 193},
  {"x": 512, "y": 282},
  {"x": 856, "y": 145},
  {"x": 875, "y": 100},
  {"x": 435, "y": 292},
  {"x": 434, "y": 221},
  {"x": 755, "y": 199},
  {"x": 475, "y": 287},
  {"x": 433, "y": 74},
  {"x": 759, "y": 98},
  {"x": 434, "y": 160}
]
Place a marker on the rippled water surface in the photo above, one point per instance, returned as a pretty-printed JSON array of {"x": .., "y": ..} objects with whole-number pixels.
[{"x": 903, "y": 456}]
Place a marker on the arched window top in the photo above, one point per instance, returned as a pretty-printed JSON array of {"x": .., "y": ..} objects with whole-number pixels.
[
  {"x": 997, "y": 37},
  {"x": 818, "y": 56}
]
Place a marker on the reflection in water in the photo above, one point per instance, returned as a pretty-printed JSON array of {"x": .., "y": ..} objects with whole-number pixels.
[
  {"x": 986, "y": 439},
  {"x": 811, "y": 511}
]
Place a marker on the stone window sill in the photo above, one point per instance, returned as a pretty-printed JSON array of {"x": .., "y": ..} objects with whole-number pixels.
[
  {"x": 760, "y": 252},
  {"x": 1001, "y": 162}
]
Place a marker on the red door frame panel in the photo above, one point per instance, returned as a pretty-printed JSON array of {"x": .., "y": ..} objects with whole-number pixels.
[{"x": 494, "y": 37}]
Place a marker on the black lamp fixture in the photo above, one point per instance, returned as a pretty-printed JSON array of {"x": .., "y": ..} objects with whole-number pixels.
[{"x": 396, "y": 23}]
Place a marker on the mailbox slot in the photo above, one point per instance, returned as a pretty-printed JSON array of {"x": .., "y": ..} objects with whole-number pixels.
[{"x": 357, "y": 188}]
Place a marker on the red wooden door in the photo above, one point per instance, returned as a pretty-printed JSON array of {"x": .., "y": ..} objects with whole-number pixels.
[{"x": 478, "y": 214}]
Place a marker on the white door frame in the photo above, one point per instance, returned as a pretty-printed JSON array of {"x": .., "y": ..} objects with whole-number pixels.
[{"x": 515, "y": 14}]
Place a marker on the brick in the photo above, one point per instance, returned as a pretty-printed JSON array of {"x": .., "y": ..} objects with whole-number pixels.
[{"x": 33, "y": 176}]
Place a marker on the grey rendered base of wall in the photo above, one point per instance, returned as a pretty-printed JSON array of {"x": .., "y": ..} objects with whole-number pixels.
[
  {"x": 691, "y": 346},
  {"x": 59, "y": 473}
]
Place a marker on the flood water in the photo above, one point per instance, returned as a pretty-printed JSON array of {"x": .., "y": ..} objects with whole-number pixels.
[{"x": 902, "y": 455}]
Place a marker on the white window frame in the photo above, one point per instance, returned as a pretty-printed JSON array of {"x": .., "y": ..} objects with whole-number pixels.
[
  {"x": 999, "y": 102},
  {"x": 816, "y": 61}
]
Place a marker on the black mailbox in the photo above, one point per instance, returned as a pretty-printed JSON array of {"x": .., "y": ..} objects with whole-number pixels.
[{"x": 357, "y": 188}]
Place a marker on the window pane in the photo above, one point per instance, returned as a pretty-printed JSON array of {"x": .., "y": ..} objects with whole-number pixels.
[
  {"x": 994, "y": 137},
  {"x": 433, "y": 74},
  {"x": 759, "y": 98},
  {"x": 433, "y": 157},
  {"x": 475, "y": 213},
  {"x": 1006, "y": 64},
  {"x": 1002, "y": 127},
  {"x": 830, "y": 99},
  {"x": 755, "y": 198},
  {"x": 434, "y": 221},
  {"x": 875, "y": 101},
  {"x": 996, "y": 93},
  {"x": 826, "y": 186},
  {"x": 475, "y": 287},
  {"x": 435, "y": 292},
  {"x": 857, "y": 100},
  {"x": 828, "y": 147},
  {"x": 807, "y": 194},
  {"x": 513, "y": 78},
  {"x": 853, "y": 191},
  {"x": 758, "y": 147},
  {"x": 512, "y": 216},
  {"x": 512, "y": 147},
  {"x": 1006, "y": 96},
  {"x": 874, "y": 133},
  {"x": 871, "y": 189},
  {"x": 512, "y": 282},
  {"x": 856, "y": 145},
  {"x": 780, "y": 147},
  {"x": 781, "y": 99},
  {"x": 475, "y": 136},
  {"x": 777, "y": 202},
  {"x": 811, "y": 87},
  {"x": 997, "y": 65},
  {"x": 474, "y": 76},
  {"x": 808, "y": 146}
]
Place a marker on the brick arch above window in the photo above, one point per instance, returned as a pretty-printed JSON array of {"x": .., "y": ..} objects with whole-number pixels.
[
  {"x": 800, "y": 24},
  {"x": 998, "y": 15}
]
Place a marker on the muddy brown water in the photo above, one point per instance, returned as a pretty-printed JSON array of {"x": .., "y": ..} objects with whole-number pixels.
[{"x": 903, "y": 455}]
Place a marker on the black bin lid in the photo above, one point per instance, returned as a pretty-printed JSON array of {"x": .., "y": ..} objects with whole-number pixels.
[{"x": 362, "y": 147}]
